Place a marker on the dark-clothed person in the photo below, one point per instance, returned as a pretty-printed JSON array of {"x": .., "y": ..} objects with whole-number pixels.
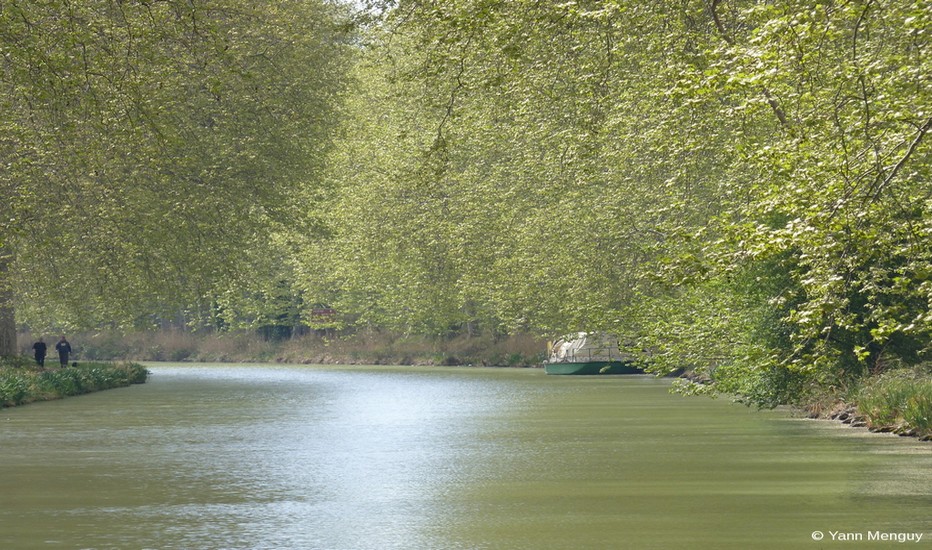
[
  {"x": 64, "y": 350},
  {"x": 40, "y": 348}
]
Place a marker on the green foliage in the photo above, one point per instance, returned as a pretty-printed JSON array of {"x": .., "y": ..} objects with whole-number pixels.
[
  {"x": 147, "y": 145},
  {"x": 739, "y": 188}
]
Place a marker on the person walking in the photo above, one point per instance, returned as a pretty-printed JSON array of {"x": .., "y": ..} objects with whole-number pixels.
[
  {"x": 64, "y": 350},
  {"x": 40, "y": 348}
]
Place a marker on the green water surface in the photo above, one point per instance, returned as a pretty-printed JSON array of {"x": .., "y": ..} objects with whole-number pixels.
[{"x": 333, "y": 458}]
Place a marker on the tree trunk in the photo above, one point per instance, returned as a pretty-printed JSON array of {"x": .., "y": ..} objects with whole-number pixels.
[
  {"x": 7, "y": 317},
  {"x": 7, "y": 330}
]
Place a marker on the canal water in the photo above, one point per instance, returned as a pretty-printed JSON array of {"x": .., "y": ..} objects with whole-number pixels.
[{"x": 355, "y": 458}]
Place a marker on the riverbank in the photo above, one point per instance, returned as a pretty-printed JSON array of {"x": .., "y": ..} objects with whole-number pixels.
[
  {"x": 366, "y": 347},
  {"x": 897, "y": 402},
  {"x": 22, "y": 381}
]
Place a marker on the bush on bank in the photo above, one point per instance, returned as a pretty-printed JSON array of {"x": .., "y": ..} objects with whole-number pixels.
[{"x": 21, "y": 381}]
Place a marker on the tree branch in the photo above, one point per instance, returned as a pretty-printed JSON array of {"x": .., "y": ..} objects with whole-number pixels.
[
  {"x": 713, "y": 7},
  {"x": 775, "y": 106},
  {"x": 923, "y": 130}
]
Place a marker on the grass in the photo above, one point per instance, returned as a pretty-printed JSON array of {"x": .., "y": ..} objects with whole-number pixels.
[
  {"x": 899, "y": 400},
  {"x": 22, "y": 382}
]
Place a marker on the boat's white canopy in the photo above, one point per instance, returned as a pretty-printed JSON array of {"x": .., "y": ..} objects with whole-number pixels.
[{"x": 584, "y": 347}]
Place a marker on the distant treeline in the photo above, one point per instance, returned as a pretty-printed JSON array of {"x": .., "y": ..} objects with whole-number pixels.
[{"x": 367, "y": 347}]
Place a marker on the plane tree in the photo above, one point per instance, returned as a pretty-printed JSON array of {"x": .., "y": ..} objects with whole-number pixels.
[
  {"x": 147, "y": 144},
  {"x": 740, "y": 187}
]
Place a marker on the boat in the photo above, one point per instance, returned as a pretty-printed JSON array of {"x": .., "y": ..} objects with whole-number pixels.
[{"x": 589, "y": 354}]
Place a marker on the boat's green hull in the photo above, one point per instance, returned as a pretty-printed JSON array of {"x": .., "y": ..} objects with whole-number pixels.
[{"x": 592, "y": 367}]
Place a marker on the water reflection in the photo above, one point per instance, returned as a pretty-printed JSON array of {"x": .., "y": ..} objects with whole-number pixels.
[{"x": 357, "y": 458}]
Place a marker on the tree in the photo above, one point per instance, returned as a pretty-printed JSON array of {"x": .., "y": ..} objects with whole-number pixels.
[
  {"x": 841, "y": 187},
  {"x": 740, "y": 187},
  {"x": 522, "y": 172},
  {"x": 146, "y": 144}
]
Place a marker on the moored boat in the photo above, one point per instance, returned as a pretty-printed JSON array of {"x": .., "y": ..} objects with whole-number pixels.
[{"x": 589, "y": 354}]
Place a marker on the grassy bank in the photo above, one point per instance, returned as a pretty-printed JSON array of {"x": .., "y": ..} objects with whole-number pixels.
[
  {"x": 898, "y": 401},
  {"x": 21, "y": 381}
]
